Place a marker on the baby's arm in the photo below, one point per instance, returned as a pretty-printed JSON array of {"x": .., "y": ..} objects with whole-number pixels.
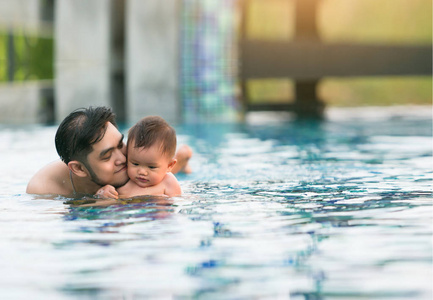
[
  {"x": 172, "y": 186},
  {"x": 107, "y": 191}
]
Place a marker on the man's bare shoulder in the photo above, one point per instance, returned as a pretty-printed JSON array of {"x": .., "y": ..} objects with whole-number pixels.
[{"x": 51, "y": 179}]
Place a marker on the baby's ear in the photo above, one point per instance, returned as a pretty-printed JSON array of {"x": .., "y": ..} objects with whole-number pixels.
[
  {"x": 77, "y": 168},
  {"x": 171, "y": 164}
]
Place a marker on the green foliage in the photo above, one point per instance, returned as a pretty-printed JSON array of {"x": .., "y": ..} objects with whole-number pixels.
[
  {"x": 377, "y": 22},
  {"x": 370, "y": 91},
  {"x": 3, "y": 61},
  {"x": 351, "y": 21},
  {"x": 32, "y": 57}
]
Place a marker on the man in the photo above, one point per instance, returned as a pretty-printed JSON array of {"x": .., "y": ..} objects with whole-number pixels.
[{"x": 92, "y": 154}]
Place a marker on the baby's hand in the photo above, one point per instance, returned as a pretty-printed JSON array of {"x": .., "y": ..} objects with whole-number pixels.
[{"x": 107, "y": 191}]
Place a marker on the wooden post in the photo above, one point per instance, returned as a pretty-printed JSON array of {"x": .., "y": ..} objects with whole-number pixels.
[
  {"x": 305, "y": 20},
  {"x": 307, "y": 104},
  {"x": 306, "y": 59}
]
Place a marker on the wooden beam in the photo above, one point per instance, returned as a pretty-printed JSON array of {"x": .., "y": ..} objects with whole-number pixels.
[{"x": 312, "y": 59}]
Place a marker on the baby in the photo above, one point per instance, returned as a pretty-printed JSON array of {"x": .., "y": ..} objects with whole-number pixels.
[{"x": 151, "y": 148}]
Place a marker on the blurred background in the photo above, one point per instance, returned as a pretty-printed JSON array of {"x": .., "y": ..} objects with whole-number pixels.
[{"x": 211, "y": 60}]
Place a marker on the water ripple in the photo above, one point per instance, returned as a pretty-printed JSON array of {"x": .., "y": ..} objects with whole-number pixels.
[{"x": 312, "y": 210}]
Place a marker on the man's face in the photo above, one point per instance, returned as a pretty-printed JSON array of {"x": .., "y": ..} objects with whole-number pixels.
[{"x": 107, "y": 162}]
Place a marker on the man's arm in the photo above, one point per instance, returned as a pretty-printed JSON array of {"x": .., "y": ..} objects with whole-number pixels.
[{"x": 183, "y": 155}]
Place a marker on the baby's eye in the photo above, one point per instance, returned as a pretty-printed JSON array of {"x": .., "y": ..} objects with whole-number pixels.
[
  {"x": 134, "y": 164},
  {"x": 152, "y": 167}
]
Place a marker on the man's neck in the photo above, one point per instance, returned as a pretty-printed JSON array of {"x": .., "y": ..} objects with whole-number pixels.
[{"x": 82, "y": 185}]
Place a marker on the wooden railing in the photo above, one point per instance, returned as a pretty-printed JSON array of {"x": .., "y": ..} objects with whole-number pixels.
[{"x": 306, "y": 60}]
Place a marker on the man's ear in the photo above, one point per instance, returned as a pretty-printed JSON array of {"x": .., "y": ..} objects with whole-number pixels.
[
  {"x": 77, "y": 168},
  {"x": 171, "y": 164}
]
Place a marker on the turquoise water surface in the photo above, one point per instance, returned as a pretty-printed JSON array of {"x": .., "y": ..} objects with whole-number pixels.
[{"x": 340, "y": 209}]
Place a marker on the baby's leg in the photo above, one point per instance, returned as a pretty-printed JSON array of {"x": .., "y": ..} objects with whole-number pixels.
[{"x": 182, "y": 155}]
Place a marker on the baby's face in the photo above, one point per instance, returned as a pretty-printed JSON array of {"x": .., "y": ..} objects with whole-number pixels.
[{"x": 147, "y": 166}]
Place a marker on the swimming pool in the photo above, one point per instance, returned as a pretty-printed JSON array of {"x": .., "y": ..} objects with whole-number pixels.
[{"x": 340, "y": 209}]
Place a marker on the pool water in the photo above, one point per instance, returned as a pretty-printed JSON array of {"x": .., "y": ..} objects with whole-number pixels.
[{"x": 340, "y": 209}]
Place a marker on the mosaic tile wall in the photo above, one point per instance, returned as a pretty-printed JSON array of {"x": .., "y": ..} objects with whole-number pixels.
[{"x": 209, "y": 60}]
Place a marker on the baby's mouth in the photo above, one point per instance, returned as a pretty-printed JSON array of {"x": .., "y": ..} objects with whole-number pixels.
[{"x": 143, "y": 180}]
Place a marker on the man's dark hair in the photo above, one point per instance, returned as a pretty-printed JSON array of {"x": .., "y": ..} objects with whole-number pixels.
[
  {"x": 151, "y": 130},
  {"x": 80, "y": 130}
]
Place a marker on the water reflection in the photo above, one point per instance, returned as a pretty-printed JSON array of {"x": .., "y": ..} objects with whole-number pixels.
[
  {"x": 331, "y": 210},
  {"x": 109, "y": 216}
]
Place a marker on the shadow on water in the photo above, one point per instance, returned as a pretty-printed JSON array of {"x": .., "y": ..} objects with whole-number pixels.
[{"x": 140, "y": 208}]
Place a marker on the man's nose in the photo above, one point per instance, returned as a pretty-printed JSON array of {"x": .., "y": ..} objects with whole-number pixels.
[{"x": 120, "y": 156}]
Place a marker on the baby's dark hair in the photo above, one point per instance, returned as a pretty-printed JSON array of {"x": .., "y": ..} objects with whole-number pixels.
[{"x": 151, "y": 130}]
